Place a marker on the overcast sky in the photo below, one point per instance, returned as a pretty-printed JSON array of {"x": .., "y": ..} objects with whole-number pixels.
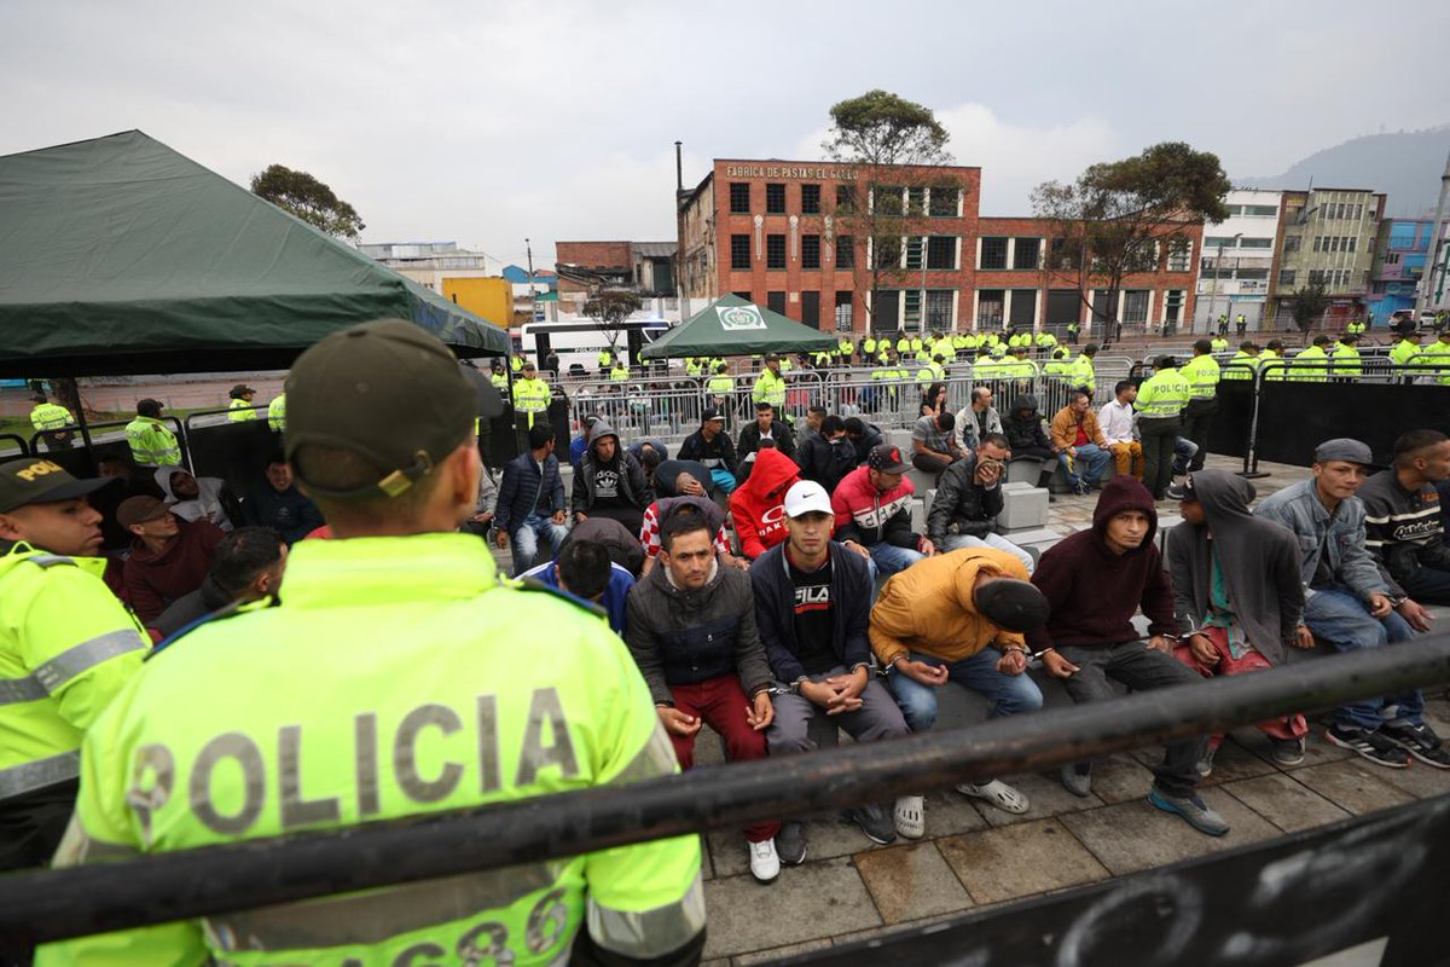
[{"x": 488, "y": 122}]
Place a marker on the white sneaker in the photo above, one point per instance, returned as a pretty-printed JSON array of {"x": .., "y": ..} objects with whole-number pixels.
[
  {"x": 999, "y": 794},
  {"x": 764, "y": 863},
  {"x": 910, "y": 817}
]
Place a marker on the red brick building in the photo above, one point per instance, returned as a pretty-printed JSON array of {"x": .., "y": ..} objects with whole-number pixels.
[{"x": 811, "y": 240}]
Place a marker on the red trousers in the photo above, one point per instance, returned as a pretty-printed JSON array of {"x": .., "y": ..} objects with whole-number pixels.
[
  {"x": 1288, "y": 727},
  {"x": 721, "y": 703}
]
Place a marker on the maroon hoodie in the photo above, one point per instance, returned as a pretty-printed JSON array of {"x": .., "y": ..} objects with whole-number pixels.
[
  {"x": 153, "y": 581},
  {"x": 1093, "y": 592}
]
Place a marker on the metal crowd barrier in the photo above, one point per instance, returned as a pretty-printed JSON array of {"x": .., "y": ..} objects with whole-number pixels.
[
  {"x": 20, "y": 446},
  {"x": 45, "y": 905}
]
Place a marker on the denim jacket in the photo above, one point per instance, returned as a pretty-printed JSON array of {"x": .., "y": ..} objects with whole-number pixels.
[{"x": 1298, "y": 508}]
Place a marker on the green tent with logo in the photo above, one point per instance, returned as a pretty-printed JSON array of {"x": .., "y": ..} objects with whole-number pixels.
[
  {"x": 733, "y": 327},
  {"x": 119, "y": 255}
]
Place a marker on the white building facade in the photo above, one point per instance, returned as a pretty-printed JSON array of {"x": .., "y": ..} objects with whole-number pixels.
[{"x": 1236, "y": 268}]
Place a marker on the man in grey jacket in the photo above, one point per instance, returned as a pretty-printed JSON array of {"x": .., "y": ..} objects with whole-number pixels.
[
  {"x": 691, "y": 628},
  {"x": 1237, "y": 595},
  {"x": 976, "y": 419},
  {"x": 1352, "y": 605}
]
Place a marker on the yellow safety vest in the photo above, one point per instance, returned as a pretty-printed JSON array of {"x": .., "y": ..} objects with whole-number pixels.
[
  {"x": 152, "y": 444},
  {"x": 50, "y": 416},
  {"x": 240, "y": 411},
  {"x": 769, "y": 388},
  {"x": 1163, "y": 396},
  {"x": 408, "y": 632},
  {"x": 67, "y": 647},
  {"x": 277, "y": 413},
  {"x": 1202, "y": 373},
  {"x": 1242, "y": 366},
  {"x": 531, "y": 397},
  {"x": 720, "y": 384}
]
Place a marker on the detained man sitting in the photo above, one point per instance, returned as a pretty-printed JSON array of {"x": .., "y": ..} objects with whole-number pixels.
[
  {"x": 968, "y": 500},
  {"x": 812, "y": 609}
]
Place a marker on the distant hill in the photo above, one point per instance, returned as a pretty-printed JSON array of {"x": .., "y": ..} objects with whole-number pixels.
[{"x": 1405, "y": 165}]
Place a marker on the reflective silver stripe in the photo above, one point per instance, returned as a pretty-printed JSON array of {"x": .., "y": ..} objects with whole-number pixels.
[
  {"x": 85, "y": 656},
  {"x": 649, "y": 933},
  {"x": 14, "y": 690},
  {"x": 655, "y": 759},
  {"x": 376, "y": 916},
  {"x": 48, "y": 560},
  {"x": 39, "y": 774},
  {"x": 78, "y": 848}
]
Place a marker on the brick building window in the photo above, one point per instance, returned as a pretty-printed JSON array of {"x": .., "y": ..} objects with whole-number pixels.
[
  {"x": 991, "y": 308},
  {"x": 886, "y": 252},
  {"x": 939, "y": 304},
  {"x": 941, "y": 252},
  {"x": 911, "y": 304},
  {"x": 1180, "y": 255},
  {"x": 1135, "y": 307},
  {"x": 1287, "y": 276},
  {"x": 740, "y": 252},
  {"x": 887, "y": 199},
  {"x": 846, "y": 252},
  {"x": 775, "y": 199},
  {"x": 843, "y": 309},
  {"x": 916, "y": 201},
  {"x": 1292, "y": 243},
  {"x": 743, "y": 295},
  {"x": 1065, "y": 254},
  {"x": 740, "y": 198},
  {"x": 845, "y": 199},
  {"x": 943, "y": 202},
  {"x": 913, "y": 251},
  {"x": 1024, "y": 255},
  {"x": 810, "y": 251},
  {"x": 810, "y": 199},
  {"x": 775, "y": 302},
  {"x": 775, "y": 251},
  {"x": 994, "y": 253}
]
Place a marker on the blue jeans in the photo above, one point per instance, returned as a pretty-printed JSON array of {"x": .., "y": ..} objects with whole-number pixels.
[
  {"x": 1009, "y": 694},
  {"x": 955, "y": 542},
  {"x": 889, "y": 558},
  {"x": 526, "y": 537},
  {"x": 1338, "y": 616},
  {"x": 723, "y": 480},
  {"x": 1091, "y": 461}
]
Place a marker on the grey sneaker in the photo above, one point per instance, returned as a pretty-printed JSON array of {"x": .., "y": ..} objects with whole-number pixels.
[
  {"x": 1205, "y": 762},
  {"x": 1195, "y": 811},
  {"x": 790, "y": 843},
  {"x": 1287, "y": 752},
  {"x": 878, "y": 827},
  {"x": 1078, "y": 779}
]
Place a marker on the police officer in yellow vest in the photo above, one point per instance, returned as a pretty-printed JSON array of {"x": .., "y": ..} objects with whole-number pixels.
[
  {"x": 770, "y": 385},
  {"x": 437, "y": 698},
  {"x": 499, "y": 377},
  {"x": 1312, "y": 363},
  {"x": 67, "y": 647},
  {"x": 1344, "y": 358},
  {"x": 1356, "y": 328},
  {"x": 1160, "y": 404},
  {"x": 239, "y": 410},
  {"x": 531, "y": 398},
  {"x": 152, "y": 442},
  {"x": 277, "y": 413},
  {"x": 1218, "y": 344},
  {"x": 1081, "y": 374},
  {"x": 1202, "y": 373},
  {"x": 1273, "y": 353},
  {"x": 51, "y": 419},
  {"x": 1244, "y": 364},
  {"x": 694, "y": 366},
  {"x": 619, "y": 373}
]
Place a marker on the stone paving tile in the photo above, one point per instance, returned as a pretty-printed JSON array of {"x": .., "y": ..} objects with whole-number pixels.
[
  {"x": 824, "y": 899},
  {"x": 1317, "y": 750},
  {"x": 1357, "y": 788},
  {"x": 1287, "y": 804},
  {"x": 1420, "y": 780},
  {"x": 1119, "y": 778},
  {"x": 878, "y": 933},
  {"x": 1020, "y": 860},
  {"x": 911, "y": 882},
  {"x": 780, "y": 953},
  {"x": 1233, "y": 762},
  {"x": 1045, "y": 794},
  {"x": 1134, "y": 836}
]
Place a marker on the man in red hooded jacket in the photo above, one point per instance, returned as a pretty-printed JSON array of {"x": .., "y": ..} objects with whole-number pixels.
[{"x": 758, "y": 505}]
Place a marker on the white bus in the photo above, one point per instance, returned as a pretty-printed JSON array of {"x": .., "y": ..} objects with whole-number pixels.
[{"x": 579, "y": 341}]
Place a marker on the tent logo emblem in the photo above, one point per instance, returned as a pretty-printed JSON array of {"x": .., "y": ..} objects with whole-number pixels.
[{"x": 740, "y": 317}]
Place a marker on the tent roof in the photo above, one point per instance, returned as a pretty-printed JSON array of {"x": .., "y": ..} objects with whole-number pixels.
[
  {"x": 730, "y": 326},
  {"x": 119, "y": 255}
]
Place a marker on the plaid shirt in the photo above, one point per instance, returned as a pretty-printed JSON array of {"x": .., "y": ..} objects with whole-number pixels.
[{"x": 649, "y": 534}]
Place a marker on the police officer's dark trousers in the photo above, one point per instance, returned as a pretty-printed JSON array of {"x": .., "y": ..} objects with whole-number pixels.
[
  {"x": 1158, "y": 436},
  {"x": 1197, "y": 425}
]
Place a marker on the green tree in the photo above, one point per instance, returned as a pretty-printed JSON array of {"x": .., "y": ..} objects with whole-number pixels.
[
  {"x": 1123, "y": 217},
  {"x": 309, "y": 199},
  {"x": 1310, "y": 304},
  {"x": 894, "y": 151}
]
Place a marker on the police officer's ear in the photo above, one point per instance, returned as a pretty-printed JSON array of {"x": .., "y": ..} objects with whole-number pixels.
[{"x": 458, "y": 480}]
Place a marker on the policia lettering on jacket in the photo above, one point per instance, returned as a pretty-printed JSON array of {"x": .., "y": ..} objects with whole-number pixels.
[{"x": 392, "y": 679}]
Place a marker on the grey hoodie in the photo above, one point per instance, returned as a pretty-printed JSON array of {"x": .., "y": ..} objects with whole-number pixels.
[
  {"x": 207, "y": 504},
  {"x": 1259, "y": 560}
]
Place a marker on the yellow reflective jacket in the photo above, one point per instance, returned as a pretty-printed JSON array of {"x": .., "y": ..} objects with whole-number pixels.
[
  {"x": 412, "y": 636},
  {"x": 152, "y": 443},
  {"x": 67, "y": 647}
]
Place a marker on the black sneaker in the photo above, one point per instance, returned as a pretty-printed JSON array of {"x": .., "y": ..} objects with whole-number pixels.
[
  {"x": 1419, "y": 741},
  {"x": 1287, "y": 752},
  {"x": 878, "y": 827},
  {"x": 790, "y": 843},
  {"x": 1377, "y": 748}
]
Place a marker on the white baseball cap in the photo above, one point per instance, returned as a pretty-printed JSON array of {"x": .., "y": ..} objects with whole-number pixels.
[{"x": 807, "y": 497}]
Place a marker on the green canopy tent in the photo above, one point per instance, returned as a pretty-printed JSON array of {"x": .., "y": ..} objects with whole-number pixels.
[
  {"x": 731, "y": 326},
  {"x": 119, "y": 255}
]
